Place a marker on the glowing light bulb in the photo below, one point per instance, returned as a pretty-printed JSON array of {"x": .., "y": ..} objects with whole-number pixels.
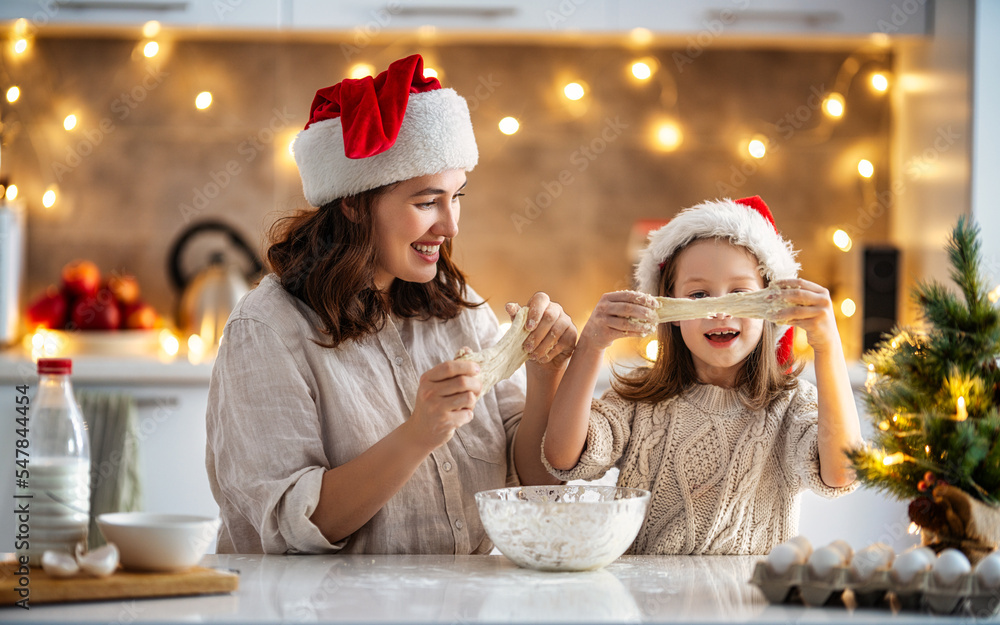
[
  {"x": 641, "y": 70},
  {"x": 573, "y": 91},
  {"x": 961, "y": 414},
  {"x": 865, "y": 168},
  {"x": 652, "y": 349},
  {"x": 70, "y": 122},
  {"x": 11, "y": 192},
  {"x": 757, "y": 148},
  {"x": 848, "y": 307},
  {"x": 895, "y": 458},
  {"x": 641, "y": 36},
  {"x": 879, "y": 82},
  {"x": 169, "y": 342},
  {"x": 509, "y": 125},
  {"x": 151, "y": 49},
  {"x": 49, "y": 198},
  {"x": 843, "y": 240},
  {"x": 913, "y": 528},
  {"x": 430, "y": 72},
  {"x": 360, "y": 70},
  {"x": 13, "y": 94},
  {"x": 834, "y": 105},
  {"x": 994, "y": 295},
  {"x": 20, "y": 46},
  {"x": 150, "y": 29},
  {"x": 203, "y": 100},
  {"x": 668, "y": 136}
]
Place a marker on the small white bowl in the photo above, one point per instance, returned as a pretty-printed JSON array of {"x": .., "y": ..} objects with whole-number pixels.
[
  {"x": 158, "y": 542},
  {"x": 563, "y": 528}
]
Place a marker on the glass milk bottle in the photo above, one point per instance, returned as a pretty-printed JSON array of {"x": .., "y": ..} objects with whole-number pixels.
[{"x": 59, "y": 465}]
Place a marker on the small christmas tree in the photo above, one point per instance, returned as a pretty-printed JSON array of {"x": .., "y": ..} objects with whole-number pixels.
[{"x": 933, "y": 395}]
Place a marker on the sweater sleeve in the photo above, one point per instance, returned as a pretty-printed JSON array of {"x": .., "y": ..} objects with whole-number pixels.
[
  {"x": 607, "y": 435},
  {"x": 802, "y": 454}
]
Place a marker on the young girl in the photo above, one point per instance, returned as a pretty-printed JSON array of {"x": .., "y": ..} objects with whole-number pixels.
[{"x": 719, "y": 429}]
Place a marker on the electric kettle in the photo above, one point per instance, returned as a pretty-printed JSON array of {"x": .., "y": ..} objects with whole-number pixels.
[{"x": 208, "y": 296}]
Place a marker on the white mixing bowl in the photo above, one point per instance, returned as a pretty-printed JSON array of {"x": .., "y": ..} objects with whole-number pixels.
[{"x": 562, "y": 528}]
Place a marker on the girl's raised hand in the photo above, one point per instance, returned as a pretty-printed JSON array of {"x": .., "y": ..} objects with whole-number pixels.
[
  {"x": 812, "y": 311},
  {"x": 553, "y": 335},
  {"x": 617, "y": 315}
]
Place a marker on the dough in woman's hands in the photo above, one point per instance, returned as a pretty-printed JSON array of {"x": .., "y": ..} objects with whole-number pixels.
[
  {"x": 503, "y": 359},
  {"x": 752, "y": 305}
]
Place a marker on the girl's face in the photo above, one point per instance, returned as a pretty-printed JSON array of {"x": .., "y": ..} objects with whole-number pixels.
[
  {"x": 712, "y": 268},
  {"x": 411, "y": 221}
]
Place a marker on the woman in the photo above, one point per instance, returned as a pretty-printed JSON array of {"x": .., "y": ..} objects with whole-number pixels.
[{"x": 338, "y": 420}]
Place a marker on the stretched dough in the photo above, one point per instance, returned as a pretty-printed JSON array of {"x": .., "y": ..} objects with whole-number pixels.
[
  {"x": 752, "y": 305},
  {"x": 503, "y": 359}
]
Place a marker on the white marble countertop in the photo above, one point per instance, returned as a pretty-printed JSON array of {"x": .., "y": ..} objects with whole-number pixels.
[{"x": 465, "y": 590}]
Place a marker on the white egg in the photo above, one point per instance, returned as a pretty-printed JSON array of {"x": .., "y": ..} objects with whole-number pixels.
[
  {"x": 823, "y": 560},
  {"x": 843, "y": 548},
  {"x": 100, "y": 562},
  {"x": 804, "y": 546},
  {"x": 909, "y": 563},
  {"x": 988, "y": 571},
  {"x": 784, "y": 557},
  {"x": 871, "y": 559},
  {"x": 59, "y": 564},
  {"x": 950, "y": 565}
]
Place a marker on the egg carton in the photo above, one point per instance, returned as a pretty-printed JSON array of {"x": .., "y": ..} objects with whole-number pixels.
[{"x": 921, "y": 593}]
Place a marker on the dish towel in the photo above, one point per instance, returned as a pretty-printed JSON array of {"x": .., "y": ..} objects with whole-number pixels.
[{"x": 112, "y": 427}]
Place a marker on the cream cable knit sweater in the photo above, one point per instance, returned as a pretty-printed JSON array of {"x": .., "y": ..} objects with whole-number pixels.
[{"x": 724, "y": 479}]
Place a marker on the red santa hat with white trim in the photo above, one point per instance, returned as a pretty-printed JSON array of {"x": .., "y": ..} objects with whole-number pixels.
[
  {"x": 746, "y": 222},
  {"x": 369, "y": 132}
]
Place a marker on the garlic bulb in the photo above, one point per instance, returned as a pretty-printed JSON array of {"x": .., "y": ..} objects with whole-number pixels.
[
  {"x": 59, "y": 564},
  {"x": 100, "y": 562}
]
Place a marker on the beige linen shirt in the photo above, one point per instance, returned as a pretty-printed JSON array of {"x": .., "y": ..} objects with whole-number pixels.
[{"x": 282, "y": 410}]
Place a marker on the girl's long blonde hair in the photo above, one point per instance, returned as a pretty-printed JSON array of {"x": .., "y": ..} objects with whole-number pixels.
[{"x": 760, "y": 380}]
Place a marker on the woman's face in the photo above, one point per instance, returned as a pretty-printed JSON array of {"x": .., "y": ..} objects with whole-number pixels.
[
  {"x": 712, "y": 268},
  {"x": 411, "y": 222}
]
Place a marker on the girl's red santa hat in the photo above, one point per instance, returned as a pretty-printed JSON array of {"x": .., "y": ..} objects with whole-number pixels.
[
  {"x": 370, "y": 132},
  {"x": 746, "y": 222}
]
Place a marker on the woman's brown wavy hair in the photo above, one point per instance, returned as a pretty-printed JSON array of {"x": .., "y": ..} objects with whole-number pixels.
[
  {"x": 328, "y": 261},
  {"x": 760, "y": 380}
]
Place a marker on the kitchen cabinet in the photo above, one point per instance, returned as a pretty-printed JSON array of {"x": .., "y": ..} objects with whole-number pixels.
[
  {"x": 171, "y": 399},
  {"x": 705, "y": 20},
  {"x": 221, "y": 14}
]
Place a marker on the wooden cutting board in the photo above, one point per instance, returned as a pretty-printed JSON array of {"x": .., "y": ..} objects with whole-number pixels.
[{"x": 120, "y": 585}]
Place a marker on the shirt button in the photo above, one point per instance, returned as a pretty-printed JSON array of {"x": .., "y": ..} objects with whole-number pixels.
[
  {"x": 399, "y": 361},
  {"x": 447, "y": 466},
  {"x": 459, "y": 524}
]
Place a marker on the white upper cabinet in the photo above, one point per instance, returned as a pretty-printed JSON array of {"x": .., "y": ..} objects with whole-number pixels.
[
  {"x": 700, "y": 18},
  {"x": 223, "y": 14}
]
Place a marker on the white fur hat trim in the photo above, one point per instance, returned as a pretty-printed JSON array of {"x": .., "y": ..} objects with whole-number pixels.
[
  {"x": 436, "y": 135},
  {"x": 740, "y": 224}
]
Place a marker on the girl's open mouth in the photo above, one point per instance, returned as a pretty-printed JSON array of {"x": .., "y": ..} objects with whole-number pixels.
[{"x": 722, "y": 337}]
